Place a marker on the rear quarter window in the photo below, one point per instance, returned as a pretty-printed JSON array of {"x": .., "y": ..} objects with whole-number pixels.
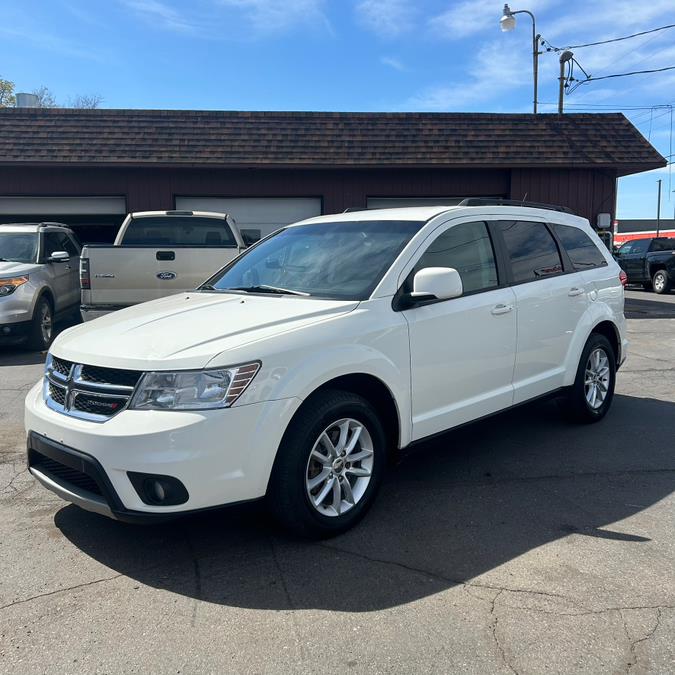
[{"x": 580, "y": 248}]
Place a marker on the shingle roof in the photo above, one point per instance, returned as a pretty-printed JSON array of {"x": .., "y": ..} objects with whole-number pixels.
[{"x": 303, "y": 139}]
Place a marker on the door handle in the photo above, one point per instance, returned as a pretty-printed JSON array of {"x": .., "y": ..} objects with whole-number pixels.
[
  {"x": 575, "y": 291},
  {"x": 501, "y": 309},
  {"x": 165, "y": 255}
]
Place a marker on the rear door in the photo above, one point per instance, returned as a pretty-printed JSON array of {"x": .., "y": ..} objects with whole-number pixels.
[
  {"x": 462, "y": 350},
  {"x": 550, "y": 303}
]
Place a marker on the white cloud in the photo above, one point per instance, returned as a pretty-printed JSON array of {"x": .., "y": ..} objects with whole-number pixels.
[
  {"x": 387, "y": 18},
  {"x": 496, "y": 70},
  {"x": 393, "y": 63},
  {"x": 160, "y": 13},
  {"x": 272, "y": 16},
  {"x": 470, "y": 17},
  {"x": 262, "y": 16}
]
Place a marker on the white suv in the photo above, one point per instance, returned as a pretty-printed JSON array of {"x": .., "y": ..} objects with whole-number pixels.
[{"x": 294, "y": 371}]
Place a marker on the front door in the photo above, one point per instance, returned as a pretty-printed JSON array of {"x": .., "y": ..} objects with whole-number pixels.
[
  {"x": 63, "y": 275},
  {"x": 462, "y": 350}
]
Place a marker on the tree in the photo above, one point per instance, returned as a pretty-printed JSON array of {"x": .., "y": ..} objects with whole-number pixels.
[
  {"x": 45, "y": 98},
  {"x": 7, "y": 98},
  {"x": 89, "y": 101}
]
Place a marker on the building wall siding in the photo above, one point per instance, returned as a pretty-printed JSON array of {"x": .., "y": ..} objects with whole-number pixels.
[{"x": 587, "y": 192}]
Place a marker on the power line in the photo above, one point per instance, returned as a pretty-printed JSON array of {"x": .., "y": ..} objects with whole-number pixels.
[
  {"x": 635, "y": 72},
  {"x": 605, "y": 42}
]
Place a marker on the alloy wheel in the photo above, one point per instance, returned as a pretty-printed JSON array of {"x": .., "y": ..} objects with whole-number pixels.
[
  {"x": 46, "y": 324},
  {"x": 596, "y": 379},
  {"x": 339, "y": 468}
]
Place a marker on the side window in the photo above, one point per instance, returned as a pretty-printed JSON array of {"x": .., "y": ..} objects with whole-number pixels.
[
  {"x": 583, "y": 253},
  {"x": 635, "y": 246},
  {"x": 467, "y": 248},
  {"x": 532, "y": 250},
  {"x": 69, "y": 246},
  {"x": 52, "y": 243}
]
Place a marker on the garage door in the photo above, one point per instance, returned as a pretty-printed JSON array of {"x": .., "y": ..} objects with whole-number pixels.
[
  {"x": 397, "y": 202},
  {"x": 94, "y": 219},
  {"x": 58, "y": 206},
  {"x": 256, "y": 216}
]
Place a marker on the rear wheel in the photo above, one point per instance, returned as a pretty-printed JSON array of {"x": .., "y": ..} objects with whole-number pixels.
[
  {"x": 42, "y": 325},
  {"x": 329, "y": 465},
  {"x": 661, "y": 282},
  {"x": 591, "y": 395}
]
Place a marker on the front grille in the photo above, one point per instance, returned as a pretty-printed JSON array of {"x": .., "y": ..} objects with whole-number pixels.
[
  {"x": 96, "y": 405},
  {"x": 61, "y": 366},
  {"x": 125, "y": 378},
  {"x": 57, "y": 393},
  {"x": 89, "y": 392},
  {"x": 65, "y": 475}
]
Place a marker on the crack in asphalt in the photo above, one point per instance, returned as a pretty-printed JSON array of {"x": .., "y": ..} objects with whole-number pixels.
[
  {"x": 493, "y": 629},
  {"x": 11, "y": 482},
  {"x": 289, "y": 600},
  {"x": 634, "y": 643},
  {"x": 59, "y": 590},
  {"x": 585, "y": 611}
]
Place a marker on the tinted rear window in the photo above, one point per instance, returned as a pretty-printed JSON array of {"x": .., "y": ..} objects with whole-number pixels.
[
  {"x": 663, "y": 245},
  {"x": 583, "y": 253},
  {"x": 532, "y": 250},
  {"x": 179, "y": 231}
]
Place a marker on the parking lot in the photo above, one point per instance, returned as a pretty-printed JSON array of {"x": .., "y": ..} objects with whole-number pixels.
[{"x": 521, "y": 544}]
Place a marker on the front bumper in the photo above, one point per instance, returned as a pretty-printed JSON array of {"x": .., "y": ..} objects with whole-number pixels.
[
  {"x": 220, "y": 456},
  {"x": 14, "y": 332}
]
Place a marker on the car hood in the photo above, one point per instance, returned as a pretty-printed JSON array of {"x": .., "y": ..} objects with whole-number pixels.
[
  {"x": 190, "y": 329},
  {"x": 15, "y": 269}
]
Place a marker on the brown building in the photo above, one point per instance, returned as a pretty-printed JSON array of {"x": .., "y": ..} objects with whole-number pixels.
[{"x": 89, "y": 167}]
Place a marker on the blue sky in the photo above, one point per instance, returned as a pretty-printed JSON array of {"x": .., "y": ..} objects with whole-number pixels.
[{"x": 384, "y": 55}]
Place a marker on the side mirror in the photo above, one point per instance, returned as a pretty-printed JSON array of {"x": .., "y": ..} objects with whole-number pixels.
[
  {"x": 58, "y": 257},
  {"x": 437, "y": 283}
]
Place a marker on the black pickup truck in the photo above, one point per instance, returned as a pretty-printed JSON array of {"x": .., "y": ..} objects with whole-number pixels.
[{"x": 650, "y": 262}]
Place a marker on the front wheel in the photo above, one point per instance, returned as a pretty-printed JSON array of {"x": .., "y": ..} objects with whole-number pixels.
[
  {"x": 591, "y": 395},
  {"x": 42, "y": 326},
  {"x": 329, "y": 465},
  {"x": 661, "y": 282}
]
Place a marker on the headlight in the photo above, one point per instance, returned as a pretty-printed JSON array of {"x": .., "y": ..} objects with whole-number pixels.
[
  {"x": 193, "y": 389},
  {"x": 8, "y": 286}
]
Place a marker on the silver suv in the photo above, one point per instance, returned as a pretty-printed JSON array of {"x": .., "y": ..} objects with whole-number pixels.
[{"x": 39, "y": 280}]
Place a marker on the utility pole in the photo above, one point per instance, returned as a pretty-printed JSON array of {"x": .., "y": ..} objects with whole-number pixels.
[
  {"x": 564, "y": 58},
  {"x": 658, "y": 209}
]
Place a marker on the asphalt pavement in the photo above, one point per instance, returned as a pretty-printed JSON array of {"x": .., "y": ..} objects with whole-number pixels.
[{"x": 523, "y": 544}]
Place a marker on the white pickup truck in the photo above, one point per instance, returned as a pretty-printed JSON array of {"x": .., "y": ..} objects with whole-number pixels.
[{"x": 155, "y": 253}]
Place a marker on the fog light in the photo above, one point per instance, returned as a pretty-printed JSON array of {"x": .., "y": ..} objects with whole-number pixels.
[{"x": 158, "y": 490}]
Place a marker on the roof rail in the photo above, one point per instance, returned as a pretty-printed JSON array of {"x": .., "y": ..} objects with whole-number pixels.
[
  {"x": 38, "y": 224},
  {"x": 491, "y": 201}
]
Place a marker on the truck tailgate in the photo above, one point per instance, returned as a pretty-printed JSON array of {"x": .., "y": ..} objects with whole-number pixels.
[{"x": 126, "y": 275}]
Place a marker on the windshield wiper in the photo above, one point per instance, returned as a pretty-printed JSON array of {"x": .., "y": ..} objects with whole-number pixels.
[{"x": 264, "y": 288}]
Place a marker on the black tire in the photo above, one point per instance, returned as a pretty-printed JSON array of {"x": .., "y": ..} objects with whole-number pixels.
[
  {"x": 575, "y": 402},
  {"x": 661, "y": 282},
  {"x": 287, "y": 495},
  {"x": 40, "y": 338}
]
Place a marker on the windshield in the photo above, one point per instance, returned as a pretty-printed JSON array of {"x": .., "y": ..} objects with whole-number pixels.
[
  {"x": 341, "y": 260},
  {"x": 18, "y": 247}
]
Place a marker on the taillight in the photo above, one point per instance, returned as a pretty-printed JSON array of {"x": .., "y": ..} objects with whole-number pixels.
[
  {"x": 623, "y": 278},
  {"x": 85, "y": 281}
]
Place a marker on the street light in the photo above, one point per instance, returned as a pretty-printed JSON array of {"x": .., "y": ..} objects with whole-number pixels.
[{"x": 508, "y": 23}]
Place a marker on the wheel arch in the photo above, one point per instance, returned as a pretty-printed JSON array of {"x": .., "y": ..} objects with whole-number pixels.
[
  {"x": 44, "y": 292},
  {"x": 373, "y": 389},
  {"x": 609, "y": 330}
]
